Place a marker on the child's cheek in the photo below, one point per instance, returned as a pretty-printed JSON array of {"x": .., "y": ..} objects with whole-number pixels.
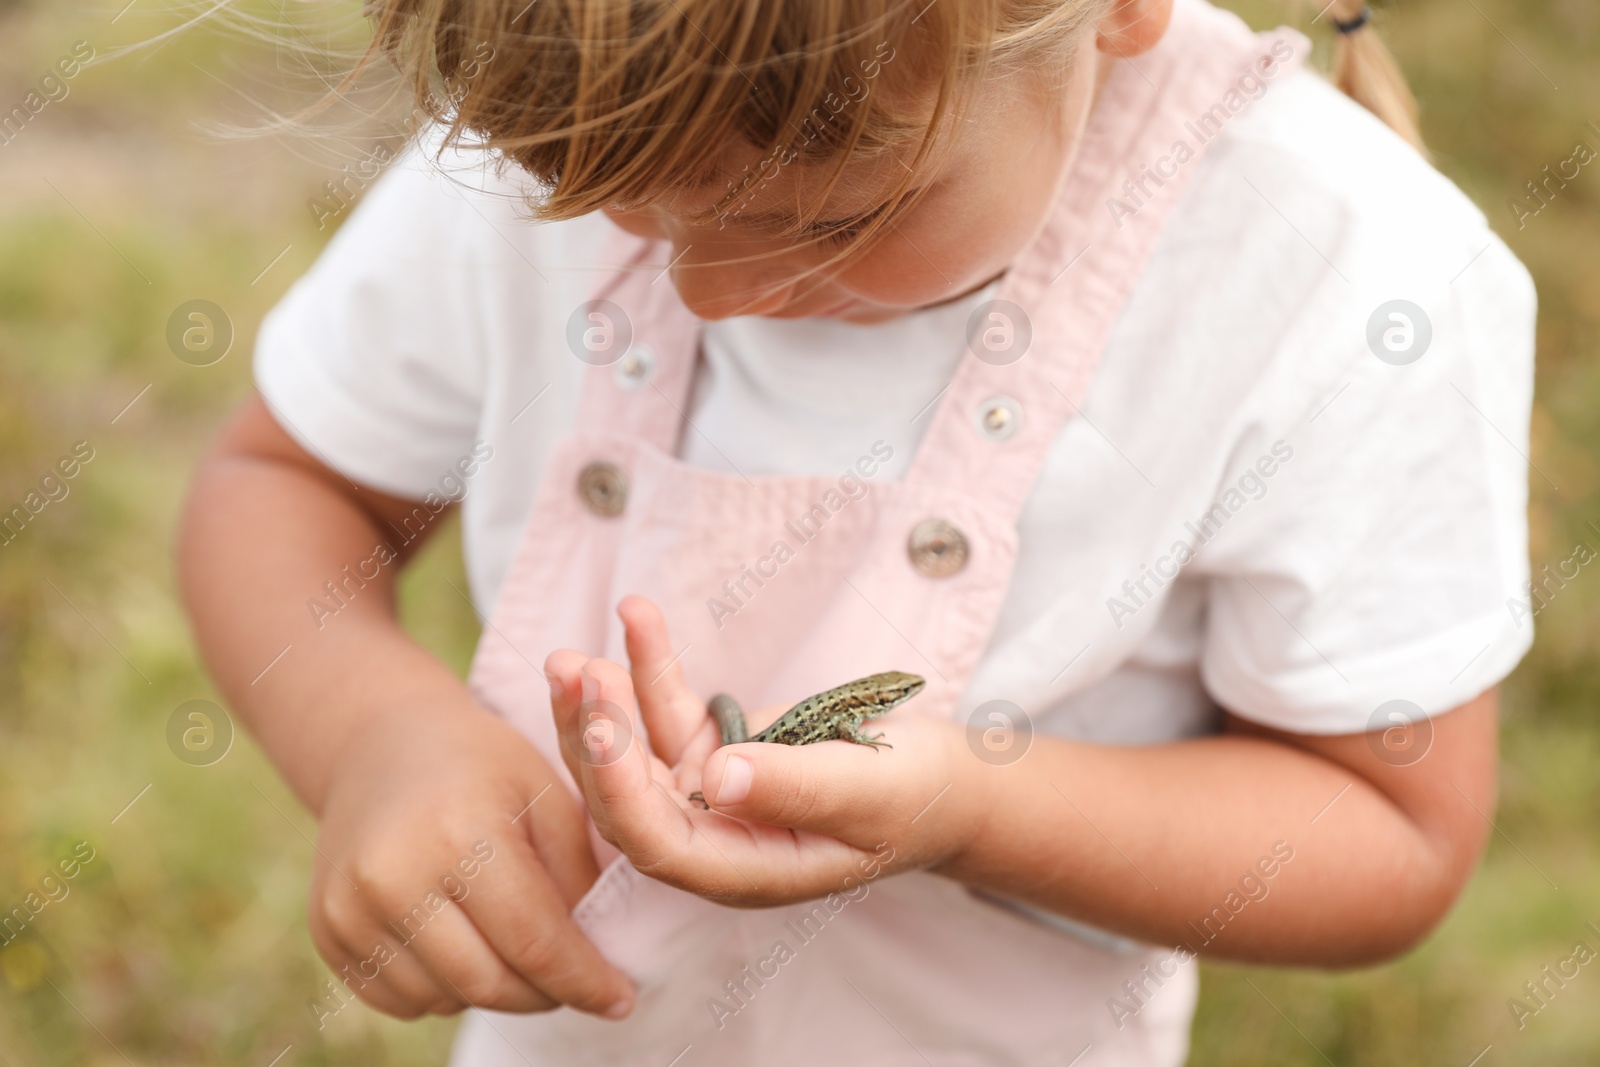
[
  {"x": 638, "y": 223},
  {"x": 892, "y": 275}
]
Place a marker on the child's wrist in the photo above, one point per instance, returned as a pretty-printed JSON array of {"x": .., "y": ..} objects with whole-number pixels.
[
  {"x": 969, "y": 802},
  {"x": 383, "y": 713}
]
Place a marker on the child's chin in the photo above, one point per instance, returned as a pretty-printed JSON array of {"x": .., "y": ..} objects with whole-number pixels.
[{"x": 865, "y": 314}]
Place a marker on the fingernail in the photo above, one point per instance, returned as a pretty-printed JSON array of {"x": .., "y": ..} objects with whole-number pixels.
[
  {"x": 591, "y": 686},
  {"x": 737, "y": 775},
  {"x": 620, "y": 1009},
  {"x": 556, "y": 688},
  {"x": 597, "y": 738}
]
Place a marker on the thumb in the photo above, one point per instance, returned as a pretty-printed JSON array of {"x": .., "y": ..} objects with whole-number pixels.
[
  {"x": 860, "y": 795},
  {"x": 824, "y": 788}
]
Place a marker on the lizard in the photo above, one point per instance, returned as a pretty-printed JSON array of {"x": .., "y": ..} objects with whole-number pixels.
[{"x": 836, "y": 714}]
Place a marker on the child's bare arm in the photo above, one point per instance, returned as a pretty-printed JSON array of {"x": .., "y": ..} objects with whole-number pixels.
[
  {"x": 1256, "y": 845},
  {"x": 413, "y": 781}
]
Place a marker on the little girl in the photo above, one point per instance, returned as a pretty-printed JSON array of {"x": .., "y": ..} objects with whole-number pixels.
[{"x": 1094, "y": 360}]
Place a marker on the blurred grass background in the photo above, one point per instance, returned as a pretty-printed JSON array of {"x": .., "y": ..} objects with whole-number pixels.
[{"x": 183, "y": 941}]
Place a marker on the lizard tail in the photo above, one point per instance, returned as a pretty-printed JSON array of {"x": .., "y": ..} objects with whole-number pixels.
[{"x": 730, "y": 719}]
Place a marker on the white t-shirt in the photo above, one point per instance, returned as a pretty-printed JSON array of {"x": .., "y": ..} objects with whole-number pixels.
[{"x": 1357, "y": 526}]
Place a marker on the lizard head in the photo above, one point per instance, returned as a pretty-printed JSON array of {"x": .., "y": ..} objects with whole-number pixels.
[{"x": 896, "y": 687}]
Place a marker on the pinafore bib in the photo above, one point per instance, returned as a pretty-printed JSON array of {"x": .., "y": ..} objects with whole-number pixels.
[{"x": 913, "y": 968}]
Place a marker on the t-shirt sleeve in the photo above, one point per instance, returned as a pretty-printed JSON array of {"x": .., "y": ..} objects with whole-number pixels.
[
  {"x": 373, "y": 361},
  {"x": 1384, "y": 559}
]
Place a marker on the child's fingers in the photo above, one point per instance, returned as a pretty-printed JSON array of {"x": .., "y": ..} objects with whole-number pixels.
[
  {"x": 854, "y": 793},
  {"x": 369, "y": 960},
  {"x": 561, "y": 670},
  {"x": 629, "y": 806},
  {"x": 700, "y": 852},
  {"x": 376, "y": 963},
  {"x": 522, "y": 915},
  {"x": 583, "y": 717},
  {"x": 810, "y": 788},
  {"x": 635, "y": 806},
  {"x": 422, "y": 946},
  {"x": 672, "y": 713},
  {"x": 469, "y": 968},
  {"x": 556, "y": 825},
  {"x": 385, "y": 996},
  {"x": 409, "y": 996}
]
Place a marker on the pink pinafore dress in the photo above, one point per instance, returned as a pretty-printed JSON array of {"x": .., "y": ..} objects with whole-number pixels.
[{"x": 910, "y": 576}]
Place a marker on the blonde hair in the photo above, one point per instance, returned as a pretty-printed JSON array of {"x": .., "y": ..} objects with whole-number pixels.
[
  {"x": 618, "y": 102},
  {"x": 1368, "y": 74},
  {"x": 611, "y": 103}
]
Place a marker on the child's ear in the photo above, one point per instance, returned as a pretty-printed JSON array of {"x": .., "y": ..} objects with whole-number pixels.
[{"x": 1133, "y": 27}]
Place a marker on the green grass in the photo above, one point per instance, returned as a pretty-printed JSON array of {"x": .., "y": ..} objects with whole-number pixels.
[{"x": 184, "y": 940}]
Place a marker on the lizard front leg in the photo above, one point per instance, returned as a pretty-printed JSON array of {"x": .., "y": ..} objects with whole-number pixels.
[{"x": 852, "y": 732}]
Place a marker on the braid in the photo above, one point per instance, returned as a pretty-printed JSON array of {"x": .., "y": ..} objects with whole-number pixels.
[{"x": 1365, "y": 71}]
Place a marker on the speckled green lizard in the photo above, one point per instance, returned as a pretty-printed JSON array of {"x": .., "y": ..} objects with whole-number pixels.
[{"x": 836, "y": 714}]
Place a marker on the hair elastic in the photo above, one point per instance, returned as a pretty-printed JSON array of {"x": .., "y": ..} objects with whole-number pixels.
[{"x": 1354, "y": 24}]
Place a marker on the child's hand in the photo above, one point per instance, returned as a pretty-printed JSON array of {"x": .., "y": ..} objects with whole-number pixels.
[
  {"x": 421, "y": 802},
  {"x": 818, "y": 814}
]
